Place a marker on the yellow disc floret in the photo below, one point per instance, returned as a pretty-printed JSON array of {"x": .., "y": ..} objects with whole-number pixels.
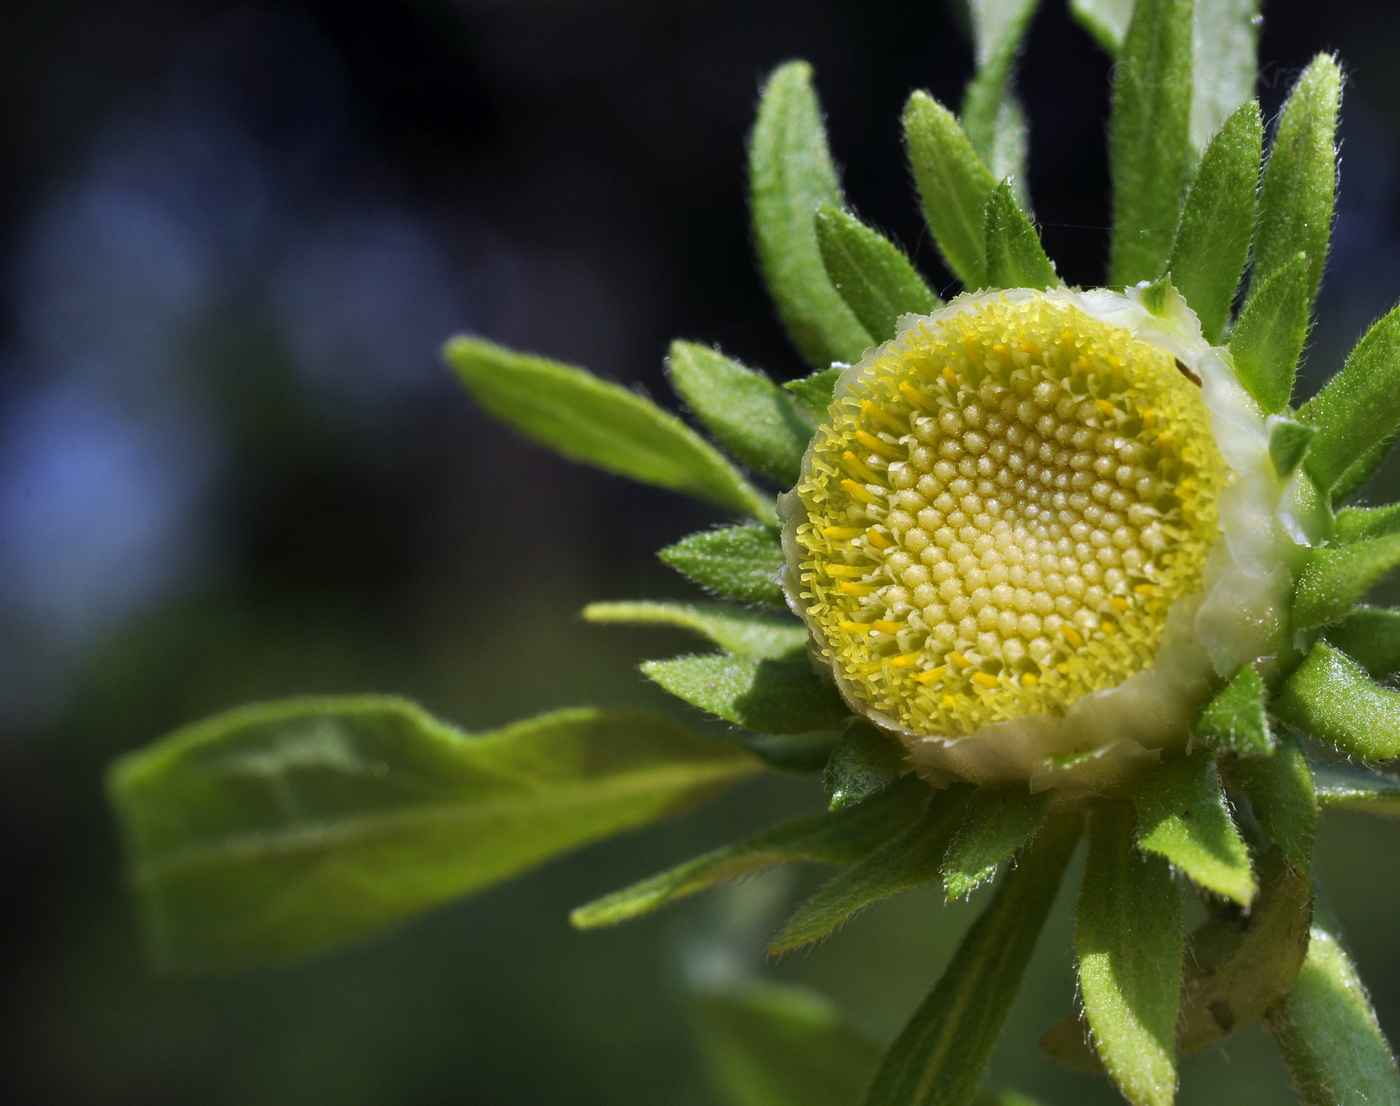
[{"x": 1000, "y": 510}]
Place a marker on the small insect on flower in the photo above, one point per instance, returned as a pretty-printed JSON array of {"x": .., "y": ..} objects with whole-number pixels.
[{"x": 1037, "y": 530}]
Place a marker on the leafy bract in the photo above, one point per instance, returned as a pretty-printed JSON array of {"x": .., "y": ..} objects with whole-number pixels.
[
  {"x": 1357, "y": 788},
  {"x": 1354, "y": 523},
  {"x": 1371, "y": 637},
  {"x": 1335, "y": 577},
  {"x": 1106, "y": 20},
  {"x": 749, "y": 633},
  {"x": 1281, "y": 792},
  {"x": 736, "y": 562},
  {"x": 790, "y": 173},
  {"x": 765, "y": 696},
  {"x": 866, "y": 761},
  {"x": 989, "y": 109},
  {"x": 873, "y": 276},
  {"x": 590, "y": 420},
  {"x": 1224, "y": 63},
  {"x": 1330, "y": 697},
  {"x": 286, "y": 828},
  {"x": 1235, "y": 720},
  {"x": 1289, "y": 442},
  {"x": 814, "y": 392},
  {"x": 998, "y": 823},
  {"x": 754, "y": 419},
  {"x": 1015, "y": 257},
  {"x": 1268, "y": 339}
]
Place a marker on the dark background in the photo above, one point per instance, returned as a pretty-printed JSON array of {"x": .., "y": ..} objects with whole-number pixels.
[{"x": 232, "y": 239}]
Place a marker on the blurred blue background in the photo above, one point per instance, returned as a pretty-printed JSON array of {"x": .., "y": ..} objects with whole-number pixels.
[{"x": 232, "y": 240}]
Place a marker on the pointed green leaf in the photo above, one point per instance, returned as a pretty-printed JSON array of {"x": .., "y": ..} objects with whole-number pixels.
[
  {"x": 996, "y": 827},
  {"x": 790, "y": 173},
  {"x": 1300, "y": 180},
  {"x": 1224, "y": 64},
  {"x": 1354, "y": 523},
  {"x": 1015, "y": 257},
  {"x": 1355, "y": 475},
  {"x": 843, "y": 837},
  {"x": 1357, "y": 411},
  {"x": 736, "y": 562},
  {"x": 939, "y": 1057},
  {"x": 866, "y": 761},
  {"x": 1106, "y": 20},
  {"x": 754, "y": 419},
  {"x": 1357, "y": 788},
  {"x": 1371, "y": 637},
  {"x": 1212, "y": 239},
  {"x": 999, "y": 28},
  {"x": 873, "y": 276},
  {"x": 1149, "y": 141},
  {"x": 1281, "y": 792},
  {"x": 1328, "y": 1034},
  {"x": 1273, "y": 327},
  {"x": 1181, "y": 815},
  {"x": 910, "y": 860},
  {"x": 590, "y": 420},
  {"x": 286, "y": 828},
  {"x": 1234, "y": 721},
  {"x": 1335, "y": 577},
  {"x": 762, "y": 634},
  {"x": 1289, "y": 442},
  {"x": 770, "y": 1044},
  {"x": 1009, "y": 148},
  {"x": 814, "y": 392},
  {"x": 1128, "y": 938},
  {"x": 765, "y": 696},
  {"x": 953, "y": 186},
  {"x": 1330, "y": 697}
]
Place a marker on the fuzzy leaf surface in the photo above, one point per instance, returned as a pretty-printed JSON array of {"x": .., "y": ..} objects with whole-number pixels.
[
  {"x": 1289, "y": 442},
  {"x": 1357, "y": 788},
  {"x": 735, "y": 562},
  {"x": 1273, "y": 327},
  {"x": 790, "y": 173},
  {"x": 587, "y": 419},
  {"x": 765, "y": 696},
  {"x": 1335, "y": 577},
  {"x": 997, "y": 825},
  {"x": 749, "y": 633},
  {"x": 1354, "y": 523},
  {"x": 999, "y": 28},
  {"x": 865, "y": 762},
  {"x": 1225, "y": 64},
  {"x": 282, "y": 829},
  {"x": 814, "y": 392},
  {"x": 1330, "y": 697},
  {"x": 872, "y": 274},
  {"x": 1015, "y": 257},
  {"x": 1371, "y": 637},
  {"x": 753, "y": 418},
  {"x": 1235, "y": 720},
  {"x": 1281, "y": 792}
]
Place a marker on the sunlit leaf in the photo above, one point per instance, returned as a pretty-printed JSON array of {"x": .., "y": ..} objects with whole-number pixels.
[
  {"x": 1268, "y": 339},
  {"x": 814, "y": 392},
  {"x": 1330, "y": 697},
  {"x": 1106, "y": 20},
  {"x": 765, "y": 696},
  {"x": 1335, "y": 577},
  {"x": 1281, "y": 792},
  {"x": 735, "y": 562},
  {"x": 999, "y": 28},
  {"x": 873, "y": 276},
  {"x": 1015, "y": 257},
  {"x": 1235, "y": 720},
  {"x": 1225, "y": 62},
  {"x": 997, "y": 825},
  {"x": 866, "y": 761},
  {"x": 1289, "y": 442},
  {"x": 749, "y": 633}
]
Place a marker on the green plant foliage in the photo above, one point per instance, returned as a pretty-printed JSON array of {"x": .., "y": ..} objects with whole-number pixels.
[
  {"x": 1106, "y": 20},
  {"x": 286, "y": 828},
  {"x": 997, "y": 825},
  {"x": 749, "y": 633},
  {"x": 804, "y": 753},
  {"x": 1015, "y": 257},
  {"x": 1235, "y": 720},
  {"x": 778, "y": 1045},
  {"x": 1224, "y": 63},
  {"x": 939, "y": 1057},
  {"x": 903, "y": 863},
  {"x": 1281, "y": 792},
  {"x": 734, "y": 562},
  {"x": 1181, "y": 815},
  {"x": 1357, "y": 411},
  {"x": 1212, "y": 239},
  {"x": 1357, "y": 788},
  {"x": 600, "y": 424},
  {"x": 1289, "y": 442},
  {"x": 990, "y": 115},
  {"x": 1330, "y": 697},
  {"x": 1327, "y": 1033},
  {"x": 866, "y": 761},
  {"x": 954, "y": 186},
  {"x": 1335, "y": 577},
  {"x": 1149, "y": 141},
  {"x": 1268, "y": 339},
  {"x": 790, "y": 173},
  {"x": 1300, "y": 180},
  {"x": 814, "y": 392},
  {"x": 765, "y": 696},
  {"x": 843, "y": 837},
  {"x": 1354, "y": 523},
  {"x": 1371, "y": 637},
  {"x": 873, "y": 276},
  {"x": 754, "y": 419}
]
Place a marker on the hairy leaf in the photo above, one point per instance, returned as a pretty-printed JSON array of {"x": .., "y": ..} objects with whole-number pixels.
[
  {"x": 814, "y": 392},
  {"x": 1225, "y": 61},
  {"x": 763, "y": 634},
  {"x": 866, "y": 761},
  {"x": 736, "y": 562},
  {"x": 988, "y": 108},
  {"x": 1281, "y": 792},
  {"x": 1371, "y": 637},
  {"x": 765, "y": 696},
  {"x": 1335, "y": 577},
  {"x": 873, "y": 276},
  {"x": 997, "y": 825},
  {"x": 1268, "y": 339},
  {"x": 1354, "y": 523},
  {"x": 1015, "y": 257},
  {"x": 1289, "y": 442},
  {"x": 1235, "y": 721},
  {"x": 1330, "y": 697}
]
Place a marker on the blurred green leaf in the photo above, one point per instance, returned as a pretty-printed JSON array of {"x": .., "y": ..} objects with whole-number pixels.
[
  {"x": 866, "y": 761},
  {"x": 1235, "y": 721},
  {"x": 953, "y": 186},
  {"x": 1128, "y": 938},
  {"x": 1280, "y": 791},
  {"x": 790, "y": 173},
  {"x": 1357, "y": 410},
  {"x": 988, "y": 108},
  {"x": 997, "y": 825},
  {"x": 287, "y": 828},
  {"x": 1357, "y": 788},
  {"x": 735, "y": 562},
  {"x": 843, "y": 837},
  {"x": 872, "y": 274},
  {"x": 1371, "y": 637},
  {"x": 601, "y": 424},
  {"x": 1354, "y": 523},
  {"x": 1268, "y": 339},
  {"x": 749, "y": 633},
  {"x": 1300, "y": 179},
  {"x": 1015, "y": 257},
  {"x": 1225, "y": 63},
  {"x": 754, "y": 419},
  {"x": 1357, "y": 472},
  {"x": 1330, "y": 697},
  {"x": 1327, "y": 1033},
  {"x": 814, "y": 392},
  {"x": 908, "y": 861},
  {"x": 1149, "y": 140},
  {"x": 939, "y": 1057},
  {"x": 1181, "y": 815},
  {"x": 771, "y": 1044},
  {"x": 1335, "y": 577},
  {"x": 1212, "y": 238},
  {"x": 1289, "y": 442},
  {"x": 1106, "y": 20},
  {"x": 765, "y": 696},
  {"x": 805, "y": 753}
]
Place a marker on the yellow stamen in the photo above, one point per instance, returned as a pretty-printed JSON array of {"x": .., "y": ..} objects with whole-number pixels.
[
  {"x": 856, "y": 467},
  {"x": 1073, "y": 636},
  {"x": 1029, "y": 679},
  {"x": 916, "y": 396},
  {"x": 1109, "y": 628},
  {"x": 841, "y": 533},
  {"x": 856, "y": 491},
  {"x": 905, "y": 660},
  {"x": 950, "y": 376},
  {"x": 848, "y": 572},
  {"x": 860, "y": 591},
  {"x": 877, "y": 539},
  {"x": 931, "y": 675},
  {"x": 879, "y": 414},
  {"x": 959, "y": 660},
  {"x": 885, "y": 626},
  {"x": 1119, "y": 604},
  {"x": 1106, "y": 407},
  {"x": 867, "y": 439},
  {"x": 1146, "y": 589},
  {"x": 985, "y": 679}
]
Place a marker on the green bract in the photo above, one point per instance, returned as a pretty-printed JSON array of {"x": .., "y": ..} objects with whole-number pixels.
[{"x": 283, "y": 829}]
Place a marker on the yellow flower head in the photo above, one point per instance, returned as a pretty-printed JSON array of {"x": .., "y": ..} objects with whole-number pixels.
[{"x": 1006, "y": 530}]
